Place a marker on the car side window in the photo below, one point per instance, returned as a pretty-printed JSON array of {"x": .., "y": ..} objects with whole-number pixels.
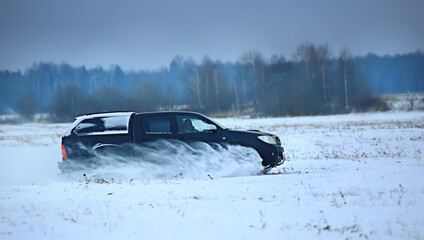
[
  {"x": 191, "y": 124},
  {"x": 103, "y": 125},
  {"x": 157, "y": 124},
  {"x": 92, "y": 125}
]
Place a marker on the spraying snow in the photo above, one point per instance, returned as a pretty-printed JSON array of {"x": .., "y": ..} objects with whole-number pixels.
[{"x": 174, "y": 159}]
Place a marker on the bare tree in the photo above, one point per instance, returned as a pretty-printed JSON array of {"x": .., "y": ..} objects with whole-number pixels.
[
  {"x": 244, "y": 80},
  {"x": 190, "y": 77},
  {"x": 307, "y": 56},
  {"x": 254, "y": 63},
  {"x": 245, "y": 63},
  {"x": 236, "y": 94},
  {"x": 345, "y": 57},
  {"x": 199, "y": 99},
  {"x": 215, "y": 77},
  {"x": 314, "y": 61},
  {"x": 207, "y": 81},
  {"x": 323, "y": 55}
]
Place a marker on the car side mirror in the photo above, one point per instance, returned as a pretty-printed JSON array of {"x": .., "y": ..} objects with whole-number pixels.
[{"x": 211, "y": 128}]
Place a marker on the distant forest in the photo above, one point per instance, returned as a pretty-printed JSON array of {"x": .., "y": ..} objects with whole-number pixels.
[{"x": 314, "y": 81}]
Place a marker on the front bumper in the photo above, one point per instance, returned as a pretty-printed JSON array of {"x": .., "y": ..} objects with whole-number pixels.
[
  {"x": 273, "y": 156},
  {"x": 281, "y": 159},
  {"x": 280, "y": 156}
]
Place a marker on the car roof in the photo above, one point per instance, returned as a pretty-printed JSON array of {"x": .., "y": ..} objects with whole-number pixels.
[
  {"x": 169, "y": 112},
  {"x": 103, "y": 114}
]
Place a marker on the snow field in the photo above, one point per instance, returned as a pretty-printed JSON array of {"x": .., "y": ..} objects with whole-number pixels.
[{"x": 357, "y": 176}]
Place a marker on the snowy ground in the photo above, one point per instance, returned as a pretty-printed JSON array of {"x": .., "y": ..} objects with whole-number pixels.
[{"x": 358, "y": 176}]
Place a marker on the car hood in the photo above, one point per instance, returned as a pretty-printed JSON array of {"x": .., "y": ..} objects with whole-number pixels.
[{"x": 251, "y": 132}]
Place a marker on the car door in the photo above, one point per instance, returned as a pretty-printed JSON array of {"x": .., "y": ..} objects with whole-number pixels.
[
  {"x": 153, "y": 127},
  {"x": 192, "y": 128},
  {"x": 151, "y": 130}
]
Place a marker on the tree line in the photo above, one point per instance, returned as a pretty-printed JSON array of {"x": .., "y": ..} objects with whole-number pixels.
[{"x": 315, "y": 81}]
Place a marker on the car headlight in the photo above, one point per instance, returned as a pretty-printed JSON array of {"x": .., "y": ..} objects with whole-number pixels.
[{"x": 268, "y": 139}]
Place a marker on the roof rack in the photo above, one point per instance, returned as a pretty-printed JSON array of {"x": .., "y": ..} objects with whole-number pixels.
[{"x": 88, "y": 114}]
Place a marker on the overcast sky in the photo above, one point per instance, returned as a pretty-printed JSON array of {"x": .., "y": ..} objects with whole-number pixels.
[{"x": 148, "y": 34}]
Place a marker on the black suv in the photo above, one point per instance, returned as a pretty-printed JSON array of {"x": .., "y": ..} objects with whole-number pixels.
[{"x": 121, "y": 132}]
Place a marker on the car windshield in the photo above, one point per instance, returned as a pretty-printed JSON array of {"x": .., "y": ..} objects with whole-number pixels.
[{"x": 216, "y": 123}]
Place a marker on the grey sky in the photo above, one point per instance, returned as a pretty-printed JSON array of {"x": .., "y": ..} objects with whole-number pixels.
[{"x": 148, "y": 34}]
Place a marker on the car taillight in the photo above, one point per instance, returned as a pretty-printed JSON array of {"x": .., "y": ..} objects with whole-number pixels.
[{"x": 64, "y": 153}]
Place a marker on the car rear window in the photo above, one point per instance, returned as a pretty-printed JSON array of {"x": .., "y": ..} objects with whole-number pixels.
[
  {"x": 157, "y": 124},
  {"x": 103, "y": 125}
]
